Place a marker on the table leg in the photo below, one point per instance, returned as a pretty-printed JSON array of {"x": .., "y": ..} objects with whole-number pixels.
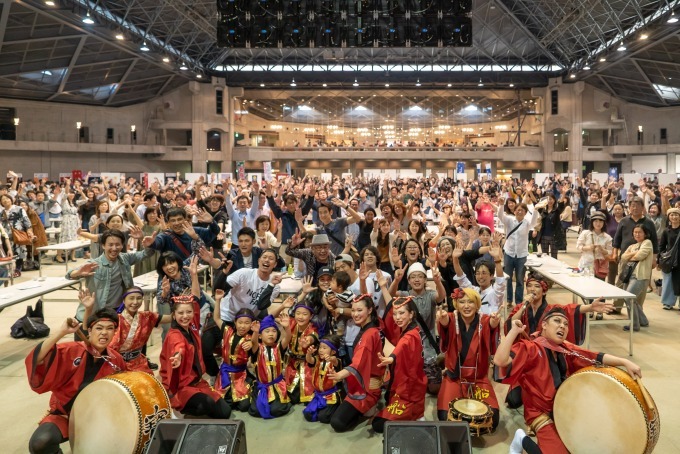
[
  {"x": 11, "y": 268},
  {"x": 67, "y": 253},
  {"x": 587, "y": 339},
  {"x": 630, "y": 329},
  {"x": 40, "y": 263}
]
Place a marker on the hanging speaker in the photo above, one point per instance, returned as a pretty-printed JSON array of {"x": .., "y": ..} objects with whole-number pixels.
[
  {"x": 432, "y": 437},
  {"x": 199, "y": 436}
]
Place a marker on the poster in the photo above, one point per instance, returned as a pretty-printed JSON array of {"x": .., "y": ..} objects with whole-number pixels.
[
  {"x": 64, "y": 175},
  {"x": 488, "y": 170},
  {"x": 150, "y": 178},
  {"x": 327, "y": 176},
  {"x": 288, "y": 169},
  {"x": 267, "y": 165},
  {"x": 193, "y": 177},
  {"x": 113, "y": 177},
  {"x": 613, "y": 173},
  {"x": 241, "y": 170},
  {"x": 460, "y": 167},
  {"x": 479, "y": 171},
  {"x": 41, "y": 175}
]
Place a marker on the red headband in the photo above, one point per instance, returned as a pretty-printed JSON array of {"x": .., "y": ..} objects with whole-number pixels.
[
  {"x": 543, "y": 284},
  {"x": 457, "y": 293},
  {"x": 360, "y": 297},
  {"x": 401, "y": 301}
]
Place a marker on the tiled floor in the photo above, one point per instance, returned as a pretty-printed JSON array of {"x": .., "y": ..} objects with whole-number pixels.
[{"x": 656, "y": 351}]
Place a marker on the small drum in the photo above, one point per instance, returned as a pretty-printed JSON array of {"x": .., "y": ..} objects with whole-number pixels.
[
  {"x": 603, "y": 410},
  {"x": 476, "y": 413},
  {"x": 117, "y": 414}
]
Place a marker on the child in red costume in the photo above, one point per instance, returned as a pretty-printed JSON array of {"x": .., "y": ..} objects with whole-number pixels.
[
  {"x": 233, "y": 378},
  {"x": 326, "y": 395}
]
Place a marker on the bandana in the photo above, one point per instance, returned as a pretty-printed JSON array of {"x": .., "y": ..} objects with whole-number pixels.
[
  {"x": 542, "y": 283},
  {"x": 303, "y": 306},
  {"x": 555, "y": 312},
  {"x": 104, "y": 319},
  {"x": 268, "y": 322},
  {"x": 243, "y": 316}
]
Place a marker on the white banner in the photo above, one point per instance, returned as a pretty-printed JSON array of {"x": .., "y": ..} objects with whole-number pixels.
[{"x": 267, "y": 170}]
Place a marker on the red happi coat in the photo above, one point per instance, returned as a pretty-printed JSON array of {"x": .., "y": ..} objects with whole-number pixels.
[
  {"x": 234, "y": 354},
  {"x": 63, "y": 373},
  {"x": 530, "y": 370},
  {"x": 408, "y": 383},
  {"x": 185, "y": 381},
  {"x": 322, "y": 383},
  {"x": 141, "y": 327},
  {"x": 481, "y": 348},
  {"x": 577, "y": 321},
  {"x": 269, "y": 366},
  {"x": 298, "y": 373},
  {"x": 361, "y": 393}
]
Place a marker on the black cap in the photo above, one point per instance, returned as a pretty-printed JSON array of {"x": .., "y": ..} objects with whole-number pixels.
[{"x": 323, "y": 271}]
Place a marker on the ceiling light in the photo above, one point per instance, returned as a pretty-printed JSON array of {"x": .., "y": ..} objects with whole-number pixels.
[
  {"x": 418, "y": 83},
  {"x": 449, "y": 85},
  {"x": 324, "y": 85},
  {"x": 49, "y": 3},
  {"x": 120, "y": 37},
  {"x": 387, "y": 85},
  {"x": 261, "y": 85},
  {"x": 511, "y": 85},
  {"x": 621, "y": 48},
  {"x": 183, "y": 67},
  {"x": 644, "y": 36},
  {"x": 572, "y": 76},
  {"x": 480, "y": 84},
  {"x": 199, "y": 76},
  {"x": 355, "y": 84},
  {"x": 586, "y": 68},
  {"x": 673, "y": 19},
  {"x": 603, "y": 59},
  {"x": 166, "y": 60},
  {"x": 88, "y": 19},
  {"x": 144, "y": 47},
  {"x": 293, "y": 84}
]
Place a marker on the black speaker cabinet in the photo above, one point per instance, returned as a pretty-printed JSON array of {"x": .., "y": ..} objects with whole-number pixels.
[
  {"x": 199, "y": 436},
  {"x": 432, "y": 437}
]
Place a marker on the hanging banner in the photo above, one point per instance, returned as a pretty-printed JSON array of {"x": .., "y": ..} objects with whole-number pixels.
[
  {"x": 267, "y": 165},
  {"x": 488, "y": 170},
  {"x": 479, "y": 171},
  {"x": 288, "y": 169},
  {"x": 613, "y": 173},
  {"x": 460, "y": 167},
  {"x": 241, "y": 170}
]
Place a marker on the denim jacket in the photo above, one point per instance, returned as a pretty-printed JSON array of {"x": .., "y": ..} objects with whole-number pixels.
[{"x": 100, "y": 282}]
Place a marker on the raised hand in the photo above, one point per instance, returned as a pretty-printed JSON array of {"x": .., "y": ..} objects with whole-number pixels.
[
  {"x": 68, "y": 327},
  {"x": 188, "y": 229},
  {"x": 288, "y": 302},
  {"x": 276, "y": 278},
  {"x": 517, "y": 327},
  {"x": 307, "y": 285},
  {"x": 380, "y": 277},
  {"x": 494, "y": 319},
  {"x": 176, "y": 360},
  {"x": 363, "y": 271},
  {"x": 311, "y": 350},
  {"x": 299, "y": 218},
  {"x": 296, "y": 239},
  {"x": 436, "y": 275},
  {"x": 255, "y": 326},
  {"x": 284, "y": 320},
  {"x": 204, "y": 217},
  {"x": 600, "y": 305},
  {"x": 442, "y": 316},
  {"x": 147, "y": 241},
  {"x": 136, "y": 232},
  {"x": 193, "y": 266},
  {"x": 86, "y": 298},
  {"x": 165, "y": 287},
  {"x": 87, "y": 270},
  {"x": 399, "y": 272}
]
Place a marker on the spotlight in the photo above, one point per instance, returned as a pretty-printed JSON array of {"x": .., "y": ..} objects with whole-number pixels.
[
  {"x": 166, "y": 60},
  {"x": 572, "y": 76},
  {"x": 586, "y": 68},
  {"x": 643, "y": 36},
  {"x": 673, "y": 19},
  {"x": 621, "y": 48},
  {"x": 199, "y": 76},
  {"x": 49, "y": 3},
  {"x": 88, "y": 19},
  {"x": 449, "y": 85},
  {"x": 262, "y": 85},
  {"x": 355, "y": 84},
  {"x": 183, "y": 67},
  {"x": 387, "y": 85},
  {"x": 418, "y": 83},
  {"x": 480, "y": 84},
  {"x": 293, "y": 84},
  {"x": 144, "y": 47},
  {"x": 603, "y": 59},
  {"x": 120, "y": 37},
  {"x": 511, "y": 85}
]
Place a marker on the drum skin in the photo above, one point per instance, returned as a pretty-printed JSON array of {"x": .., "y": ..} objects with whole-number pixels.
[
  {"x": 603, "y": 410},
  {"x": 117, "y": 414},
  {"x": 476, "y": 413}
]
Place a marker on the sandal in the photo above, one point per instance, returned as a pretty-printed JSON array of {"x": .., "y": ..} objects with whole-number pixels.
[{"x": 17, "y": 273}]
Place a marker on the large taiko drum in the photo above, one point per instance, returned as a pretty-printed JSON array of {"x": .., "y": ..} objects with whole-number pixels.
[
  {"x": 117, "y": 414},
  {"x": 603, "y": 410}
]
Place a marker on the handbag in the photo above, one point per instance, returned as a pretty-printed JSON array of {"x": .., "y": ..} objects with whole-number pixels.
[
  {"x": 669, "y": 259},
  {"x": 31, "y": 325},
  {"x": 600, "y": 266},
  {"x": 627, "y": 272},
  {"x": 20, "y": 238}
]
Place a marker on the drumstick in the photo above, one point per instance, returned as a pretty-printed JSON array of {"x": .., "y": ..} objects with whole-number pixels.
[
  {"x": 646, "y": 395},
  {"x": 72, "y": 322}
]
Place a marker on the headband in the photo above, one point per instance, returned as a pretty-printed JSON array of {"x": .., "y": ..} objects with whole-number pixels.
[
  {"x": 360, "y": 297},
  {"x": 243, "y": 316},
  {"x": 401, "y": 301},
  {"x": 104, "y": 319},
  {"x": 555, "y": 312},
  {"x": 182, "y": 299},
  {"x": 132, "y": 291},
  {"x": 304, "y": 306},
  {"x": 329, "y": 344}
]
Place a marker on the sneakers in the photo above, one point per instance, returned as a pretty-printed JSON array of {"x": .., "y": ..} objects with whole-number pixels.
[
  {"x": 516, "y": 445},
  {"x": 152, "y": 366},
  {"x": 627, "y": 328},
  {"x": 667, "y": 308}
]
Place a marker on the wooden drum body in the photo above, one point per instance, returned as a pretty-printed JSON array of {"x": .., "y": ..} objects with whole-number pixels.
[
  {"x": 476, "y": 413},
  {"x": 117, "y": 414},
  {"x": 603, "y": 410}
]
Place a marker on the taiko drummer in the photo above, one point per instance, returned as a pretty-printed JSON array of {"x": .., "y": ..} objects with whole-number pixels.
[
  {"x": 540, "y": 366},
  {"x": 65, "y": 369},
  {"x": 467, "y": 341}
]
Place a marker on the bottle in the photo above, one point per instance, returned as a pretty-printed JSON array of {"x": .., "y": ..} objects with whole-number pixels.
[
  {"x": 290, "y": 269},
  {"x": 531, "y": 248}
]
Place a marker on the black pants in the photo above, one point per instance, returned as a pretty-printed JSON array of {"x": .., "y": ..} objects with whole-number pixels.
[
  {"x": 514, "y": 398},
  {"x": 323, "y": 416},
  {"x": 378, "y": 424},
  {"x": 204, "y": 405},
  {"x": 210, "y": 339},
  {"x": 346, "y": 418},
  {"x": 276, "y": 407},
  {"x": 46, "y": 439}
]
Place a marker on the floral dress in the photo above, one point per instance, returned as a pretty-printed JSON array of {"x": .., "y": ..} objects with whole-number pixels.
[
  {"x": 70, "y": 222},
  {"x": 17, "y": 218}
]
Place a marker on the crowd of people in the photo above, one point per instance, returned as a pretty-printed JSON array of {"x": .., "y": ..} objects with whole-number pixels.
[{"x": 402, "y": 289}]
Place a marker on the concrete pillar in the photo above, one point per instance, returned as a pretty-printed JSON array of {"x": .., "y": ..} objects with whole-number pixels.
[
  {"x": 575, "y": 140},
  {"x": 670, "y": 163},
  {"x": 199, "y": 140}
]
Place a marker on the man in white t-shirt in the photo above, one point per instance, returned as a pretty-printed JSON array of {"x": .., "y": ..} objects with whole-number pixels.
[{"x": 248, "y": 288}]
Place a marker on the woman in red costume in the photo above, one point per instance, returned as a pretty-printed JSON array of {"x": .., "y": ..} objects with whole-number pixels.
[
  {"x": 467, "y": 339},
  {"x": 364, "y": 376},
  {"x": 65, "y": 369},
  {"x": 405, "y": 396},
  {"x": 182, "y": 365}
]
